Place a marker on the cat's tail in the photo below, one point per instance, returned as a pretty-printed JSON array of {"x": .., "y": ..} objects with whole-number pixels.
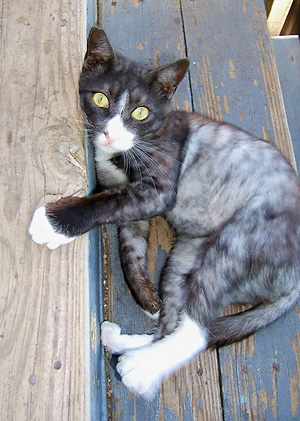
[{"x": 229, "y": 329}]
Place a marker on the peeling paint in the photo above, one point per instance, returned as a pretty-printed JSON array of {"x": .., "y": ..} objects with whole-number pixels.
[
  {"x": 137, "y": 3},
  {"x": 295, "y": 380},
  {"x": 157, "y": 58},
  {"x": 94, "y": 331},
  {"x": 187, "y": 106},
  {"x": 181, "y": 44},
  {"x": 226, "y": 105},
  {"x": 232, "y": 72}
]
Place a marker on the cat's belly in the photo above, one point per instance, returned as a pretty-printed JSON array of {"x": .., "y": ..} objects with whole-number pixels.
[
  {"x": 201, "y": 207},
  {"x": 190, "y": 215},
  {"x": 189, "y": 225}
]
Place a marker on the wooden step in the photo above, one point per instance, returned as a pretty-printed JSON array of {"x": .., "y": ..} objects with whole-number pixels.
[{"x": 287, "y": 55}]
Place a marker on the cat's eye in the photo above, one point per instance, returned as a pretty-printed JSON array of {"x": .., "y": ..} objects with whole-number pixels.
[
  {"x": 140, "y": 113},
  {"x": 100, "y": 100}
]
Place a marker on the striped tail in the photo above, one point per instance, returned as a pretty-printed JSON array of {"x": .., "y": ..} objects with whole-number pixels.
[{"x": 229, "y": 329}]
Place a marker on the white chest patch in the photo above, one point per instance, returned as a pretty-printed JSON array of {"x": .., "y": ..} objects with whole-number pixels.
[{"x": 107, "y": 173}]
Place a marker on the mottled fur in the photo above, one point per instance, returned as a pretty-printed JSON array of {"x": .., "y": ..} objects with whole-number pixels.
[{"x": 233, "y": 200}]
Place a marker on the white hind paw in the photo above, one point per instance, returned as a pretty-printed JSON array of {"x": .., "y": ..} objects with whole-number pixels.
[
  {"x": 139, "y": 372},
  {"x": 111, "y": 337},
  {"x": 42, "y": 232}
]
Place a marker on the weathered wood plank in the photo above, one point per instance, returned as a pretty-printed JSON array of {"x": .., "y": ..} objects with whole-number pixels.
[
  {"x": 233, "y": 71},
  {"x": 292, "y": 23},
  {"x": 287, "y": 54},
  {"x": 237, "y": 82},
  {"x": 42, "y": 293},
  {"x": 278, "y": 14},
  {"x": 153, "y": 34}
]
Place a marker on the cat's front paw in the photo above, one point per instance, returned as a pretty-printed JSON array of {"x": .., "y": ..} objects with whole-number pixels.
[
  {"x": 139, "y": 372},
  {"x": 42, "y": 232}
]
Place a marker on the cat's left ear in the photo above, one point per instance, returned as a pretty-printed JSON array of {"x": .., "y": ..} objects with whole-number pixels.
[
  {"x": 167, "y": 78},
  {"x": 100, "y": 52}
]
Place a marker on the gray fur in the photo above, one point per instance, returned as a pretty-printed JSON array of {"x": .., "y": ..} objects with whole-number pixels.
[{"x": 238, "y": 224}]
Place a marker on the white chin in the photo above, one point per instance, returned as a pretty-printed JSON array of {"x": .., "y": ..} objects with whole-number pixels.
[{"x": 114, "y": 147}]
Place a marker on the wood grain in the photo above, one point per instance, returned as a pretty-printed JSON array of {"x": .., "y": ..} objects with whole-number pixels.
[
  {"x": 42, "y": 293},
  {"x": 287, "y": 54},
  {"x": 277, "y": 16}
]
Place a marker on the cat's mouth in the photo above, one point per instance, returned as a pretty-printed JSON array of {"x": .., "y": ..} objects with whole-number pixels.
[
  {"x": 111, "y": 144},
  {"x": 115, "y": 137}
]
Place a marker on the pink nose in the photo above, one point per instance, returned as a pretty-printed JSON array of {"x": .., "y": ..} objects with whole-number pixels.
[{"x": 109, "y": 140}]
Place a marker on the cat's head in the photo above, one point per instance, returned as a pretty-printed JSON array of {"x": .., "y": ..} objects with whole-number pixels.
[{"x": 124, "y": 101}]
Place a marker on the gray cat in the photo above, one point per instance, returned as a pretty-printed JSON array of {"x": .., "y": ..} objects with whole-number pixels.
[{"x": 233, "y": 200}]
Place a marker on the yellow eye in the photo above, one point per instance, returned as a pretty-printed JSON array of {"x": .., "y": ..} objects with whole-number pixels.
[
  {"x": 100, "y": 100},
  {"x": 140, "y": 113}
]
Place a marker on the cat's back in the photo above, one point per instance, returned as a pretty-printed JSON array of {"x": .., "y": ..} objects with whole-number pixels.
[
  {"x": 228, "y": 153},
  {"x": 226, "y": 170}
]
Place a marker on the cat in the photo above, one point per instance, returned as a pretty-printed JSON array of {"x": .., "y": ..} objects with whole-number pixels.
[{"x": 233, "y": 200}]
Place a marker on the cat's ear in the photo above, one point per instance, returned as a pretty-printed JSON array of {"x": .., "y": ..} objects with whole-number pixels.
[
  {"x": 100, "y": 52},
  {"x": 167, "y": 78}
]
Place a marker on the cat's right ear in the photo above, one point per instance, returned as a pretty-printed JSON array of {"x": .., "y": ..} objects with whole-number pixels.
[
  {"x": 100, "y": 53},
  {"x": 166, "y": 79}
]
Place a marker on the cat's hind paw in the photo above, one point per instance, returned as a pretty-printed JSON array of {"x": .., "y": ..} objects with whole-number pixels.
[
  {"x": 110, "y": 337},
  {"x": 117, "y": 343},
  {"x": 139, "y": 373},
  {"x": 42, "y": 232}
]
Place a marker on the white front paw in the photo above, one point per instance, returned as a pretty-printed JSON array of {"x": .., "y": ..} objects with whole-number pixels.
[
  {"x": 139, "y": 372},
  {"x": 42, "y": 232},
  {"x": 111, "y": 336}
]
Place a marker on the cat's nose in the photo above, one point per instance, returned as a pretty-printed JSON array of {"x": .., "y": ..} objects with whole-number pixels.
[{"x": 109, "y": 140}]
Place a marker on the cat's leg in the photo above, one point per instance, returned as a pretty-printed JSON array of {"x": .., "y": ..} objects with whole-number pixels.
[
  {"x": 175, "y": 284},
  {"x": 117, "y": 343},
  {"x": 42, "y": 232},
  {"x": 133, "y": 251},
  {"x": 144, "y": 369},
  {"x": 179, "y": 336}
]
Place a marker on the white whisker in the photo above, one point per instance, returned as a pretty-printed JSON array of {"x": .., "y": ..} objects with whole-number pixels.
[
  {"x": 137, "y": 153},
  {"x": 150, "y": 159},
  {"x": 148, "y": 145}
]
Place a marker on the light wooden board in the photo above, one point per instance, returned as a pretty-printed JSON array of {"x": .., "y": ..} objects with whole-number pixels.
[
  {"x": 278, "y": 14},
  {"x": 233, "y": 77},
  {"x": 42, "y": 293},
  {"x": 287, "y": 54}
]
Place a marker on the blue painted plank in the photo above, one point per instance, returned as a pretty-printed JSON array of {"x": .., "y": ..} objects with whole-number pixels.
[
  {"x": 98, "y": 388},
  {"x": 128, "y": 315},
  {"x": 225, "y": 42}
]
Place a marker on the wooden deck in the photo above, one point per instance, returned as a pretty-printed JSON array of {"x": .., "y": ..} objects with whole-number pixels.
[
  {"x": 43, "y": 353},
  {"x": 52, "y": 364}
]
